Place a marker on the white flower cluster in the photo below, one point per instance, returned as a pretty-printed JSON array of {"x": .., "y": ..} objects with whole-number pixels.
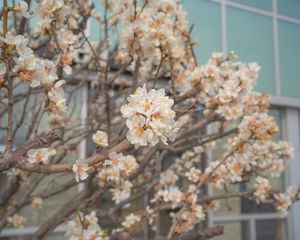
[
  {"x": 80, "y": 169},
  {"x": 262, "y": 189},
  {"x": 37, "y": 202},
  {"x": 16, "y": 221},
  {"x": 121, "y": 191},
  {"x": 252, "y": 149},
  {"x": 171, "y": 195},
  {"x": 130, "y": 220},
  {"x": 225, "y": 86},
  {"x": 116, "y": 168},
  {"x": 35, "y": 71},
  {"x": 155, "y": 34},
  {"x": 65, "y": 17},
  {"x": 150, "y": 117},
  {"x": 193, "y": 174},
  {"x": 40, "y": 156},
  {"x": 284, "y": 201},
  {"x": 85, "y": 228},
  {"x": 188, "y": 218},
  {"x": 119, "y": 166}
]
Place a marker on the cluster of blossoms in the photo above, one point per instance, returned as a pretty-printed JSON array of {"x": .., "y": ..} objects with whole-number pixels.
[
  {"x": 155, "y": 34},
  {"x": 33, "y": 70},
  {"x": 168, "y": 192},
  {"x": 191, "y": 213},
  {"x": 131, "y": 220},
  {"x": 80, "y": 170},
  {"x": 85, "y": 227},
  {"x": 16, "y": 221},
  {"x": 284, "y": 201},
  {"x": 116, "y": 169},
  {"x": 40, "y": 156},
  {"x": 251, "y": 150},
  {"x": 225, "y": 86},
  {"x": 188, "y": 218},
  {"x": 186, "y": 197},
  {"x": 149, "y": 117},
  {"x": 262, "y": 189},
  {"x": 37, "y": 202},
  {"x": 63, "y": 18}
]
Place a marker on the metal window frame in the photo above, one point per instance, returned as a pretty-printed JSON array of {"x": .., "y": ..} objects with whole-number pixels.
[{"x": 272, "y": 14}]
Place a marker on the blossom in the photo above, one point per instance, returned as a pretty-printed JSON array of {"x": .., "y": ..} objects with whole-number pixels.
[
  {"x": 80, "y": 170},
  {"x": 100, "y": 138},
  {"x": 285, "y": 150},
  {"x": 48, "y": 72},
  {"x": 40, "y": 156},
  {"x": 121, "y": 191},
  {"x": 262, "y": 189},
  {"x": 91, "y": 218},
  {"x": 130, "y": 220},
  {"x": 282, "y": 203},
  {"x": 150, "y": 215},
  {"x": 170, "y": 195},
  {"x": 188, "y": 218},
  {"x": 193, "y": 174},
  {"x": 119, "y": 165},
  {"x": 47, "y": 8},
  {"x": 57, "y": 101},
  {"x": 16, "y": 221},
  {"x": 85, "y": 227},
  {"x": 168, "y": 178},
  {"x": 36, "y": 202},
  {"x": 149, "y": 117}
]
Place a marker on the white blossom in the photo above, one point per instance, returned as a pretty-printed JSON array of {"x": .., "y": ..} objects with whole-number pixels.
[
  {"x": 40, "y": 156},
  {"x": 149, "y": 117},
  {"x": 16, "y": 221},
  {"x": 80, "y": 170},
  {"x": 100, "y": 138},
  {"x": 131, "y": 220}
]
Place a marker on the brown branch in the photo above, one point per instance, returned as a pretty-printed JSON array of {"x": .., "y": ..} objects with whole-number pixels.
[
  {"x": 11, "y": 159},
  {"x": 67, "y": 167}
]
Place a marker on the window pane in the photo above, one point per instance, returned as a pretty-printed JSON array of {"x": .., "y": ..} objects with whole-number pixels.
[
  {"x": 250, "y": 36},
  {"x": 206, "y": 17},
  {"x": 289, "y": 8},
  {"x": 265, "y": 4},
  {"x": 271, "y": 229},
  {"x": 289, "y": 46},
  {"x": 235, "y": 231}
]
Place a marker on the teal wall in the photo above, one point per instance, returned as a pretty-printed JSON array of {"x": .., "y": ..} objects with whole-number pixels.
[
  {"x": 206, "y": 18},
  {"x": 250, "y": 36}
]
